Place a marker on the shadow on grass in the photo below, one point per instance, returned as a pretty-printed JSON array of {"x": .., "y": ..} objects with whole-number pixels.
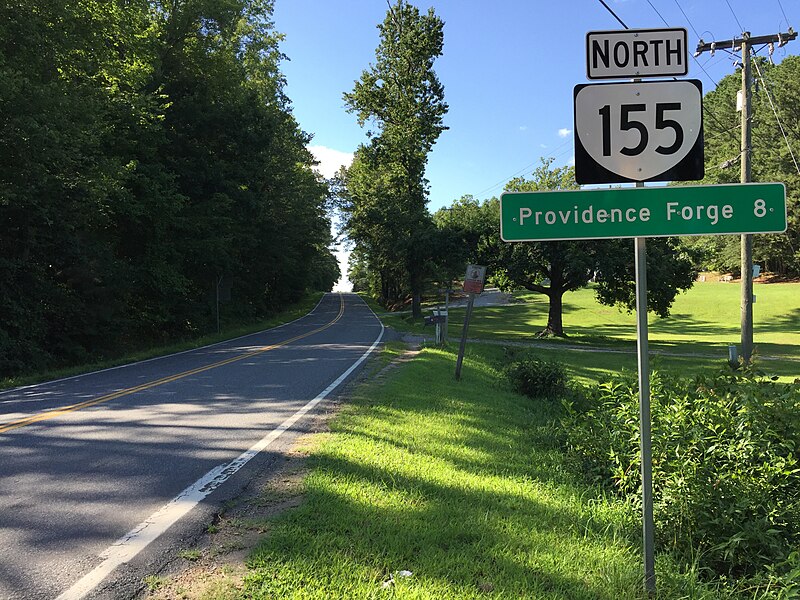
[
  {"x": 460, "y": 483},
  {"x": 790, "y": 321}
]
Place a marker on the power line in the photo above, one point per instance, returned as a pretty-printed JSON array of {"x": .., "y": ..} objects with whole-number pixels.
[
  {"x": 784, "y": 14},
  {"x": 523, "y": 169},
  {"x": 777, "y": 118},
  {"x": 658, "y": 13},
  {"x": 741, "y": 28},
  {"x": 608, "y": 8},
  {"x": 685, "y": 16}
]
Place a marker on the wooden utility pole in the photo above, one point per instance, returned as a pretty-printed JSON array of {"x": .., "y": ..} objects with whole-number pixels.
[
  {"x": 746, "y": 42},
  {"x": 747, "y": 238}
]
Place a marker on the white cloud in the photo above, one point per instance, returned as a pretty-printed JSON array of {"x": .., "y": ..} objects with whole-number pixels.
[
  {"x": 330, "y": 160},
  {"x": 523, "y": 128},
  {"x": 542, "y": 146},
  {"x": 564, "y": 132},
  {"x": 571, "y": 161}
]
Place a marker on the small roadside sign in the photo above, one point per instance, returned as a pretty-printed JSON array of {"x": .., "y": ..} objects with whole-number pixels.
[
  {"x": 632, "y": 53},
  {"x": 639, "y": 131},
  {"x": 473, "y": 284},
  {"x": 474, "y": 279}
]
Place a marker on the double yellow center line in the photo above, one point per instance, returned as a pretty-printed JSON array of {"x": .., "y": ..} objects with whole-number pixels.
[{"x": 51, "y": 414}]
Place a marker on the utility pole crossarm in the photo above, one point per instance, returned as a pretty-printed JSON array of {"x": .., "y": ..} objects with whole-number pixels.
[{"x": 779, "y": 38}]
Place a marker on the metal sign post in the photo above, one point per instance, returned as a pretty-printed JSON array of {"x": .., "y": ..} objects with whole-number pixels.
[
  {"x": 463, "y": 346},
  {"x": 473, "y": 284},
  {"x": 643, "y": 362}
]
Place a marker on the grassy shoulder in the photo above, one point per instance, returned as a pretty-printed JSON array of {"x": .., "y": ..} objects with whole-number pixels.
[
  {"x": 290, "y": 313},
  {"x": 461, "y": 484}
]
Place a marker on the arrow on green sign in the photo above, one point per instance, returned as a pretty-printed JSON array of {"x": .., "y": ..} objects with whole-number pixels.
[{"x": 643, "y": 212}]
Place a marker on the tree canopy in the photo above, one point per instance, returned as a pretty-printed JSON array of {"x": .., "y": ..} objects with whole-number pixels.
[
  {"x": 555, "y": 268},
  {"x": 153, "y": 152},
  {"x": 401, "y": 100},
  {"x": 775, "y": 110}
]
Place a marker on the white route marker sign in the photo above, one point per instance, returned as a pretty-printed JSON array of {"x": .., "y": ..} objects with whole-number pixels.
[{"x": 635, "y": 53}]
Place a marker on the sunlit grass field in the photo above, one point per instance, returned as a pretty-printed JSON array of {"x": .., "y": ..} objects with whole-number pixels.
[
  {"x": 703, "y": 322},
  {"x": 430, "y": 488}
]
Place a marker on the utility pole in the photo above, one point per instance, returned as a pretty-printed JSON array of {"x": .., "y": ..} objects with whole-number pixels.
[
  {"x": 745, "y": 177},
  {"x": 746, "y": 42}
]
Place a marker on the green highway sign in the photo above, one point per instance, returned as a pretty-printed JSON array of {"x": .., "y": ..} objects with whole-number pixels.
[{"x": 643, "y": 212}]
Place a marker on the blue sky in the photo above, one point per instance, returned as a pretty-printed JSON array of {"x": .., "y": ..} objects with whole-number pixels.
[{"x": 508, "y": 69}]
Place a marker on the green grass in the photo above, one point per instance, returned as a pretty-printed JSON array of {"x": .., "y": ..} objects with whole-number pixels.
[
  {"x": 703, "y": 321},
  {"x": 464, "y": 485},
  {"x": 291, "y": 313}
]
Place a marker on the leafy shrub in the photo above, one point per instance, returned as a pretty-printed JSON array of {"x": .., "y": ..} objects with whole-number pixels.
[
  {"x": 537, "y": 378},
  {"x": 726, "y": 473}
]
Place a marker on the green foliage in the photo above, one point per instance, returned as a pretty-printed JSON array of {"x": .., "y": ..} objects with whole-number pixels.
[
  {"x": 555, "y": 268},
  {"x": 385, "y": 191},
  {"x": 154, "y": 152},
  {"x": 670, "y": 270},
  {"x": 771, "y": 159},
  {"x": 726, "y": 463},
  {"x": 721, "y": 253},
  {"x": 537, "y": 378}
]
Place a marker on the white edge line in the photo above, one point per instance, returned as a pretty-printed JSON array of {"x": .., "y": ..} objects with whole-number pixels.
[
  {"x": 133, "y": 542},
  {"x": 147, "y": 360}
]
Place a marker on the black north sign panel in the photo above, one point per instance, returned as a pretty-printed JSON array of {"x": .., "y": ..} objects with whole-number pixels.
[{"x": 639, "y": 131}]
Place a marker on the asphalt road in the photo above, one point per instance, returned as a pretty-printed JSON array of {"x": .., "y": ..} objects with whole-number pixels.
[{"x": 87, "y": 463}]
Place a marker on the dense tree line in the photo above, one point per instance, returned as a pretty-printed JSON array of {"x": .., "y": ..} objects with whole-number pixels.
[
  {"x": 776, "y": 91},
  {"x": 149, "y": 157}
]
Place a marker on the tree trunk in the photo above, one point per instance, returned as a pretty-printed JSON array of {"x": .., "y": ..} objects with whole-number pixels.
[
  {"x": 554, "y": 315},
  {"x": 384, "y": 289}
]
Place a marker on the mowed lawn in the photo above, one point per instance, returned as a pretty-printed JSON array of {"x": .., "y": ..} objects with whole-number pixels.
[{"x": 696, "y": 335}]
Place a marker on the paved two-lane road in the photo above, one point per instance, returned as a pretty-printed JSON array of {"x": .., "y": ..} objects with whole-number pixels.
[{"x": 93, "y": 468}]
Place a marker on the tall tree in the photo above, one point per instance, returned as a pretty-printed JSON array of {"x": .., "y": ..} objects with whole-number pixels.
[
  {"x": 403, "y": 99},
  {"x": 555, "y": 268},
  {"x": 549, "y": 268}
]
